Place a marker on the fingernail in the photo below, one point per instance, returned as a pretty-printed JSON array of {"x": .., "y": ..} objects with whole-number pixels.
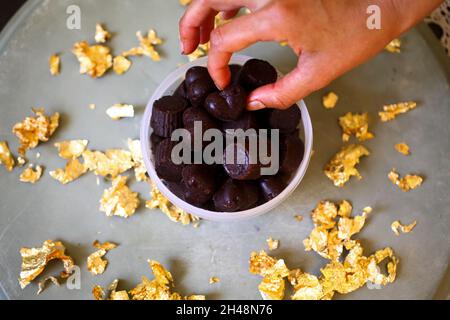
[
  {"x": 256, "y": 105},
  {"x": 181, "y": 47}
]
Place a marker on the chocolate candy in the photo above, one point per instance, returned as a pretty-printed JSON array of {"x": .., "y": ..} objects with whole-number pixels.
[
  {"x": 243, "y": 165},
  {"x": 164, "y": 166},
  {"x": 227, "y": 105},
  {"x": 167, "y": 115},
  {"x": 271, "y": 187},
  {"x": 292, "y": 151},
  {"x": 196, "y": 73},
  {"x": 199, "y": 90},
  {"x": 177, "y": 189},
  {"x": 246, "y": 121},
  {"x": 199, "y": 182},
  {"x": 192, "y": 115},
  {"x": 155, "y": 140},
  {"x": 181, "y": 91},
  {"x": 235, "y": 70},
  {"x": 257, "y": 73},
  {"x": 287, "y": 121},
  {"x": 236, "y": 196}
]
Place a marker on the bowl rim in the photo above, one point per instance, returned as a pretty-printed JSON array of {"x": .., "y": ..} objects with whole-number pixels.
[{"x": 145, "y": 133}]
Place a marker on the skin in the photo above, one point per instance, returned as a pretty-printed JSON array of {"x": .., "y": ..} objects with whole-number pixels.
[{"x": 330, "y": 37}]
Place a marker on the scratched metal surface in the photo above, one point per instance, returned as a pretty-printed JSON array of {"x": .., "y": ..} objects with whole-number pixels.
[{"x": 31, "y": 214}]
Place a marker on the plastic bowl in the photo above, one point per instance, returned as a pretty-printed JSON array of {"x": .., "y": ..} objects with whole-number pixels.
[{"x": 167, "y": 87}]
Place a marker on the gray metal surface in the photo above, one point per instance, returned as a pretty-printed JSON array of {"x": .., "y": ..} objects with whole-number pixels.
[{"x": 31, "y": 214}]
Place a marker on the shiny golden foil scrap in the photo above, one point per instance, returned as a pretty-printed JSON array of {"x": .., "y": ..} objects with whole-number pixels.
[
  {"x": 390, "y": 112},
  {"x": 119, "y": 200},
  {"x": 403, "y": 148},
  {"x": 201, "y": 51},
  {"x": 95, "y": 262},
  {"x": 158, "y": 201},
  {"x": 140, "y": 170},
  {"x": 407, "y": 183},
  {"x": 73, "y": 170},
  {"x": 357, "y": 125},
  {"x": 98, "y": 293},
  {"x": 121, "y": 65},
  {"x": 119, "y": 111},
  {"x": 31, "y": 174},
  {"x": 6, "y": 157},
  {"x": 342, "y": 166},
  {"x": 43, "y": 284},
  {"x": 273, "y": 244},
  {"x": 101, "y": 34},
  {"x": 55, "y": 64},
  {"x": 185, "y": 2},
  {"x": 71, "y": 149},
  {"x": 35, "y": 129},
  {"x": 34, "y": 260},
  {"x": 394, "y": 46},
  {"x": 298, "y": 217},
  {"x": 94, "y": 60},
  {"x": 397, "y": 227},
  {"x": 111, "y": 163},
  {"x": 330, "y": 100},
  {"x": 213, "y": 280},
  {"x": 146, "y": 47}
]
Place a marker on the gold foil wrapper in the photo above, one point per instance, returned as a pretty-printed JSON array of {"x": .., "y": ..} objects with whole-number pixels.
[
  {"x": 140, "y": 171},
  {"x": 330, "y": 100},
  {"x": 95, "y": 262},
  {"x": 119, "y": 200},
  {"x": 6, "y": 157},
  {"x": 273, "y": 244},
  {"x": 31, "y": 175},
  {"x": 111, "y": 163},
  {"x": 342, "y": 166},
  {"x": 394, "y": 46},
  {"x": 43, "y": 284},
  {"x": 94, "y": 60},
  {"x": 71, "y": 149},
  {"x": 101, "y": 34},
  {"x": 390, "y": 112},
  {"x": 55, "y": 64},
  {"x": 403, "y": 148},
  {"x": 407, "y": 183},
  {"x": 213, "y": 280},
  {"x": 73, "y": 170},
  {"x": 121, "y": 65},
  {"x": 397, "y": 227},
  {"x": 357, "y": 125},
  {"x": 146, "y": 47}
]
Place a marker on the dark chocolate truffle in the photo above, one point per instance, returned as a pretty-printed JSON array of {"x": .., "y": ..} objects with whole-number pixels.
[
  {"x": 227, "y": 105},
  {"x": 155, "y": 140},
  {"x": 181, "y": 91},
  {"x": 242, "y": 165},
  {"x": 199, "y": 182},
  {"x": 167, "y": 115},
  {"x": 292, "y": 151},
  {"x": 271, "y": 187},
  {"x": 236, "y": 196},
  {"x": 245, "y": 122},
  {"x": 287, "y": 121},
  {"x": 235, "y": 70},
  {"x": 199, "y": 90},
  {"x": 196, "y": 73},
  {"x": 164, "y": 166},
  {"x": 257, "y": 73}
]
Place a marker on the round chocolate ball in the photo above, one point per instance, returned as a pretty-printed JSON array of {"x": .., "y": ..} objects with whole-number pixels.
[
  {"x": 196, "y": 73},
  {"x": 198, "y": 90},
  {"x": 287, "y": 121},
  {"x": 227, "y": 105},
  {"x": 271, "y": 187},
  {"x": 181, "y": 91},
  {"x": 199, "y": 182},
  {"x": 235, "y": 196},
  {"x": 167, "y": 115},
  {"x": 292, "y": 151},
  {"x": 242, "y": 165},
  {"x": 257, "y": 73}
]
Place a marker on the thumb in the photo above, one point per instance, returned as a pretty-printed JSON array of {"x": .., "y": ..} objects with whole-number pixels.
[{"x": 308, "y": 76}]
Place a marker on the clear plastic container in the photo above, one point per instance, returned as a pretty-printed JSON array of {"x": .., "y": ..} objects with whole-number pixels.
[{"x": 167, "y": 87}]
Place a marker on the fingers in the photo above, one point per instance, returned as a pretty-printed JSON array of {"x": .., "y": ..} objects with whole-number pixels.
[
  {"x": 207, "y": 27},
  {"x": 232, "y": 37},
  {"x": 200, "y": 15},
  {"x": 227, "y": 15},
  {"x": 309, "y": 75}
]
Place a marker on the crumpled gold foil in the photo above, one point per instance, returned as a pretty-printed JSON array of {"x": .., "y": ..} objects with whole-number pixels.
[
  {"x": 30, "y": 175},
  {"x": 119, "y": 111},
  {"x": 306, "y": 286},
  {"x": 95, "y": 262},
  {"x": 94, "y": 60},
  {"x": 355, "y": 124},
  {"x": 55, "y": 63},
  {"x": 73, "y": 170},
  {"x": 213, "y": 280},
  {"x": 403, "y": 148},
  {"x": 119, "y": 200},
  {"x": 111, "y": 163},
  {"x": 273, "y": 244},
  {"x": 121, "y": 65},
  {"x": 158, "y": 201},
  {"x": 140, "y": 171},
  {"x": 146, "y": 46},
  {"x": 98, "y": 293},
  {"x": 342, "y": 166},
  {"x": 101, "y": 34},
  {"x": 6, "y": 157},
  {"x": 160, "y": 287},
  {"x": 43, "y": 284},
  {"x": 201, "y": 51},
  {"x": 394, "y": 46},
  {"x": 330, "y": 100},
  {"x": 34, "y": 261},
  {"x": 71, "y": 149},
  {"x": 390, "y": 112},
  {"x": 185, "y": 2},
  {"x": 36, "y": 129},
  {"x": 396, "y": 226},
  {"x": 407, "y": 183}
]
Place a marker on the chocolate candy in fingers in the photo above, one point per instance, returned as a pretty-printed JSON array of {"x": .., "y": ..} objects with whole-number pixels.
[
  {"x": 245, "y": 122},
  {"x": 164, "y": 166},
  {"x": 235, "y": 70},
  {"x": 292, "y": 151},
  {"x": 199, "y": 183},
  {"x": 227, "y": 105},
  {"x": 199, "y": 90},
  {"x": 257, "y": 73},
  {"x": 196, "y": 73},
  {"x": 235, "y": 196},
  {"x": 287, "y": 121},
  {"x": 271, "y": 186},
  {"x": 167, "y": 115}
]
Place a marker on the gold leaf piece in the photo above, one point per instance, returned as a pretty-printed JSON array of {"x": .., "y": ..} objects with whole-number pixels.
[
  {"x": 30, "y": 175},
  {"x": 390, "y": 112},
  {"x": 55, "y": 63},
  {"x": 201, "y": 51},
  {"x": 185, "y": 2},
  {"x": 121, "y": 65},
  {"x": 273, "y": 244},
  {"x": 342, "y": 166},
  {"x": 403, "y": 148},
  {"x": 73, "y": 170},
  {"x": 71, "y": 149},
  {"x": 330, "y": 100},
  {"x": 6, "y": 157},
  {"x": 34, "y": 260},
  {"x": 394, "y": 46},
  {"x": 140, "y": 171},
  {"x": 146, "y": 46},
  {"x": 407, "y": 183},
  {"x": 43, "y": 284},
  {"x": 111, "y": 163},
  {"x": 119, "y": 200},
  {"x": 101, "y": 34},
  {"x": 396, "y": 226},
  {"x": 355, "y": 124},
  {"x": 119, "y": 111},
  {"x": 213, "y": 280},
  {"x": 94, "y": 60}
]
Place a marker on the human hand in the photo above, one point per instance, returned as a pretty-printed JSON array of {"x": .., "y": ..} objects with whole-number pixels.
[{"x": 330, "y": 37}]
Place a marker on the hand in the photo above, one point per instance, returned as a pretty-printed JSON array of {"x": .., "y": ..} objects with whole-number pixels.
[{"x": 330, "y": 37}]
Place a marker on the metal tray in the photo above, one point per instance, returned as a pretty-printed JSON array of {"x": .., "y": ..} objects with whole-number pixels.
[{"x": 31, "y": 214}]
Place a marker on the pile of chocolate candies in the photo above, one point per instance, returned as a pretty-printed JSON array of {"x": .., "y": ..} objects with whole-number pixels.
[{"x": 224, "y": 187}]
